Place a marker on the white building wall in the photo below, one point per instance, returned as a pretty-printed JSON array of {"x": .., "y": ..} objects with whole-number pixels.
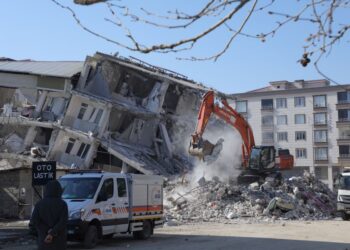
[{"x": 254, "y": 117}]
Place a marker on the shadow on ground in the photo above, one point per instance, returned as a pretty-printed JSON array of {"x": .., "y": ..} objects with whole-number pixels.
[{"x": 192, "y": 242}]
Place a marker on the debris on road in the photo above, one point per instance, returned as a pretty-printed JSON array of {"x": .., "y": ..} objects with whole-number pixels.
[{"x": 296, "y": 198}]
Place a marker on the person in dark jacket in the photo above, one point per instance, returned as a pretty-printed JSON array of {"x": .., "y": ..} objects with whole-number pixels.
[{"x": 50, "y": 217}]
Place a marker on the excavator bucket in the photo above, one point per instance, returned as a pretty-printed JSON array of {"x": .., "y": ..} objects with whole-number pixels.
[{"x": 201, "y": 149}]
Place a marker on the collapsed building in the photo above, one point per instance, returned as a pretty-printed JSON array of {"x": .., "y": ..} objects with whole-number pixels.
[{"x": 111, "y": 113}]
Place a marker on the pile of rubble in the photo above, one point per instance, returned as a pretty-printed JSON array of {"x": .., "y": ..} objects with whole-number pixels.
[{"x": 296, "y": 198}]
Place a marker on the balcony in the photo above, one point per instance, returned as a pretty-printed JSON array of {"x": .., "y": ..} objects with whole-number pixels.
[
  {"x": 85, "y": 126},
  {"x": 344, "y": 159},
  {"x": 343, "y": 140},
  {"x": 268, "y": 142},
  {"x": 267, "y": 108},
  {"x": 343, "y": 122},
  {"x": 321, "y": 142},
  {"x": 320, "y": 108},
  {"x": 321, "y": 161},
  {"x": 267, "y": 126},
  {"x": 343, "y": 104},
  {"x": 71, "y": 160},
  {"x": 320, "y": 124}
]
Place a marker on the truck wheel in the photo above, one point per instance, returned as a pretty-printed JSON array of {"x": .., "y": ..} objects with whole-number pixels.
[
  {"x": 91, "y": 237},
  {"x": 345, "y": 216},
  {"x": 145, "y": 233}
]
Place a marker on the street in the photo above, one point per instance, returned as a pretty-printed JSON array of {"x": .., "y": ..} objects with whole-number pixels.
[{"x": 320, "y": 235}]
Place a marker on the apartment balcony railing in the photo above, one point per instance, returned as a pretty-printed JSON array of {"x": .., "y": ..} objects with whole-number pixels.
[
  {"x": 320, "y": 123},
  {"x": 267, "y": 108},
  {"x": 267, "y": 141},
  {"x": 343, "y": 104},
  {"x": 85, "y": 126},
  {"x": 267, "y": 125},
  {"x": 71, "y": 160},
  {"x": 343, "y": 121},
  {"x": 320, "y": 107}
]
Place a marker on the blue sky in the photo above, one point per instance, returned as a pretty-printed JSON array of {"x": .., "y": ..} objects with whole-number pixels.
[{"x": 40, "y": 30}]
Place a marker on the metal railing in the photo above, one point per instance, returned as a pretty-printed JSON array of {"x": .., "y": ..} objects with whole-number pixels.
[{"x": 343, "y": 101}]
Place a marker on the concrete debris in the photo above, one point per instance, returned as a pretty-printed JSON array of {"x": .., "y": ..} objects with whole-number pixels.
[{"x": 297, "y": 198}]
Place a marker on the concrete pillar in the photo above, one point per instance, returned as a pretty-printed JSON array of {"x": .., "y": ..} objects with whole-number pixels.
[
  {"x": 312, "y": 169},
  {"x": 330, "y": 177},
  {"x": 104, "y": 121},
  {"x": 31, "y": 133},
  {"x": 90, "y": 155}
]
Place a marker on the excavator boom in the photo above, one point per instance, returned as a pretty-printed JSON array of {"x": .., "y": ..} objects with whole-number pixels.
[
  {"x": 200, "y": 147},
  {"x": 264, "y": 157}
]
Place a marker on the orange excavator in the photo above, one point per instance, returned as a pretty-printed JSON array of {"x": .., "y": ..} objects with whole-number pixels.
[{"x": 258, "y": 162}]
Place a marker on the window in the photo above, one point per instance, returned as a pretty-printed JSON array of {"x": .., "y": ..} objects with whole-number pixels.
[
  {"x": 344, "y": 97},
  {"x": 282, "y": 136},
  {"x": 82, "y": 111},
  {"x": 281, "y": 120},
  {"x": 300, "y": 135},
  {"x": 299, "y": 119},
  {"x": 320, "y": 136},
  {"x": 107, "y": 189},
  {"x": 267, "y": 120},
  {"x": 241, "y": 106},
  {"x": 98, "y": 116},
  {"x": 70, "y": 145},
  {"x": 83, "y": 150},
  {"x": 267, "y": 104},
  {"x": 344, "y": 115},
  {"x": 300, "y": 153},
  {"x": 121, "y": 187},
  {"x": 320, "y": 118},
  {"x": 92, "y": 113},
  {"x": 281, "y": 103},
  {"x": 321, "y": 154},
  {"x": 267, "y": 136},
  {"x": 344, "y": 151},
  {"x": 320, "y": 101},
  {"x": 299, "y": 101}
]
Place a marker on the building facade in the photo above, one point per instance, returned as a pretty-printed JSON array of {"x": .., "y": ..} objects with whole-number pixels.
[{"x": 310, "y": 118}]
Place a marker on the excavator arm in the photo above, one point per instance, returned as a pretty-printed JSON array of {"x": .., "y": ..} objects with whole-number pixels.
[{"x": 200, "y": 147}]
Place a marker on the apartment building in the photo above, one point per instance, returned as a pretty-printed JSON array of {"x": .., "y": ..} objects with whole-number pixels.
[{"x": 310, "y": 118}]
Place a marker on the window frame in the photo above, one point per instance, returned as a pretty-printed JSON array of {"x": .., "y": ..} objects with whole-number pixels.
[
  {"x": 246, "y": 106},
  {"x": 299, "y": 98},
  {"x": 296, "y": 137},
  {"x": 281, "y": 106},
  {"x": 295, "y": 118},
  {"x": 303, "y": 155},
  {"x": 282, "y": 136},
  {"x": 319, "y": 148},
  {"x": 325, "y": 101}
]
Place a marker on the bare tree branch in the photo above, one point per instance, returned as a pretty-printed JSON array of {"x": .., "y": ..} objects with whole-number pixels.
[{"x": 209, "y": 18}]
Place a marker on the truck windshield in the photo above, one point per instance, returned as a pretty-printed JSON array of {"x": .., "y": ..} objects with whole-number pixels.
[
  {"x": 79, "y": 188},
  {"x": 344, "y": 182}
]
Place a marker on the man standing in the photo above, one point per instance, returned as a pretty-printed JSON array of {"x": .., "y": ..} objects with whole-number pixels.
[{"x": 50, "y": 217}]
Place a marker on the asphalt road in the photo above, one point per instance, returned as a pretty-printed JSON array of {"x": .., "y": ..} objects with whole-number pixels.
[{"x": 320, "y": 235}]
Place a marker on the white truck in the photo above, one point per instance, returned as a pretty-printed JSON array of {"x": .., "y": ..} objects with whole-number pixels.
[
  {"x": 102, "y": 204},
  {"x": 343, "y": 200}
]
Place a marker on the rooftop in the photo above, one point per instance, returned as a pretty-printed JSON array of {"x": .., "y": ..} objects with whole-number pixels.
[{"x": 64, "y": 69}]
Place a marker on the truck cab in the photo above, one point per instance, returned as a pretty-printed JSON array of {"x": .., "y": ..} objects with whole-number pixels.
[
  {"x": 102, "y": 204},
  {"x": 343, "y": 197}
]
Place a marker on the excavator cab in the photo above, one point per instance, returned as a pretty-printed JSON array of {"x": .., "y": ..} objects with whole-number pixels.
[{"x": 262, "y": 158}]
